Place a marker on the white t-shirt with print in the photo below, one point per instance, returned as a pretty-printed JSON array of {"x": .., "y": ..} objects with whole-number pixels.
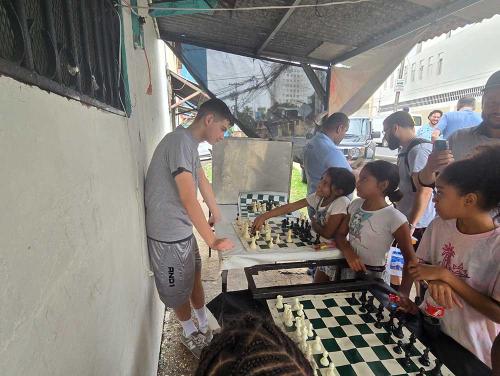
[
  {"x": 371, "y": 232},
  {"x": 476, "y": 260},
  {"x": 337, "y": 206}
]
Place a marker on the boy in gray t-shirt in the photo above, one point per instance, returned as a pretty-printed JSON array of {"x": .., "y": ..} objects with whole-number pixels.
[{"x": 172, "y": 208}]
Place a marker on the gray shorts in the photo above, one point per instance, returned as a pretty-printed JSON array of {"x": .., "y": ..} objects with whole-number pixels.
[{"x": 174, "y": 266}]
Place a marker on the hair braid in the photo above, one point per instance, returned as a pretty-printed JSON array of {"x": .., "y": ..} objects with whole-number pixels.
[{"x": 252, "y": 346}]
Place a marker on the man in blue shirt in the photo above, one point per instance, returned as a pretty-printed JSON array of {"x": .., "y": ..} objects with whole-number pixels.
[
  {"x": 322, "y": 152},
  {"x": 464, "y": 117}
]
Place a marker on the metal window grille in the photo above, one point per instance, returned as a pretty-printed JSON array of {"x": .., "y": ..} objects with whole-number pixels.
[{"x": 70, "y": 47}]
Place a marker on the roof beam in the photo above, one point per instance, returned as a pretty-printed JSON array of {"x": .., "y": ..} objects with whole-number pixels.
[
  {"x": 433, "y": 16},
  {"x": 270, "y": 37},
  {"x": 316, "y": 84}
]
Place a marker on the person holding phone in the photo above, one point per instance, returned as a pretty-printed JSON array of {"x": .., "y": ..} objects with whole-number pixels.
[{"x": 464, "y": 142}]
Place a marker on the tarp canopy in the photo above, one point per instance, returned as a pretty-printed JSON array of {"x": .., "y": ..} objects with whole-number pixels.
[{"x": 369, "y": 38}]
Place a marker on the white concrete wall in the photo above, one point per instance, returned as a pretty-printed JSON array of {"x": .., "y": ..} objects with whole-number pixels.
[{"x": 76, "y": 297}]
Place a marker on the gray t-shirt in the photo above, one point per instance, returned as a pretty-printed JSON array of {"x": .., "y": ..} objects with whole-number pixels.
[
  {"x": 166, "y": 218},
  {"x": 464, "y": 141},
  {"x": 417, "y": 158}
]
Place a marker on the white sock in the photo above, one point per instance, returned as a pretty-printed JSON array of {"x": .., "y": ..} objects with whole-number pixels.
[
  {"x": 188, "y": 327},
  {"x": 201, "y": 314}
]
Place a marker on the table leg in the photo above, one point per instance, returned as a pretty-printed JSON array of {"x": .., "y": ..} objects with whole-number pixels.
[{"x": 224, "y": 280}]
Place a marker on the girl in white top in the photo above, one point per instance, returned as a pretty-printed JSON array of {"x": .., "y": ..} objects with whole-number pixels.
[
  {"x": 372, "y": 224},
  {"x": 462, "y": 250},
  {"x": 329, "y": 202}
]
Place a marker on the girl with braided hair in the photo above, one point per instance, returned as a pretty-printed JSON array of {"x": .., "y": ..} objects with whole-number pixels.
[{"x": 252, "y": 346}]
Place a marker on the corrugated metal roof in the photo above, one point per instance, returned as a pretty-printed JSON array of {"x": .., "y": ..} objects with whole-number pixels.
[{"x": 320, "y": 35}]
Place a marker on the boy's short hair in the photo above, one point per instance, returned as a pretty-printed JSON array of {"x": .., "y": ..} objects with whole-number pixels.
[
  {"x": 217, "y": 107},
  {"x": 466, "y": 101},
  {"x": 401, "y": 118}
]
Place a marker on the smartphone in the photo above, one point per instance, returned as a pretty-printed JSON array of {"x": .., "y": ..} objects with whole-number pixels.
[{"x": 440, "y": 145}]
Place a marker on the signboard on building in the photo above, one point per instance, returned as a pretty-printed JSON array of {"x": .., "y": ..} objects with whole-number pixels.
[{"x": 400, "y": 84}]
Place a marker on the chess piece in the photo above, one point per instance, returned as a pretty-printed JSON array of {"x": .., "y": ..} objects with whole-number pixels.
[
  {"x": 254, "y": 207},
  {"x": 380, "y": 314},
  {"x": 303, "y": 345},
  {"x": 331, "y": 370},
  {"x": 310, "y": 332},
  {"x": 318, "y": 346},
  {"x": 279, "y": 302},
  {"x": 257, "y": 234},
  {"x": 289, "y": 236},
  {"x": 317, "y": 241},
  {"x": 363, "y": 296},
  {"x": 409, "y": 346},
  {"x": 421, "y": 372},
  {"x": 309, "y": 354},
  {"x": 379, "y": 323},
  {"x": 370, "y": 307},
  {"x": 268, "y": 235},
  {"x": 424, "y": 359},
  {"x": 277, "y": 240},
  {"x": 324, "y": 360},
  {"x": 406, "y": 360},
  {"x": 398, "y": 332},
  {"x": 289, "y": 319},
  {"x": 436, "y": 371},
  {"x": 398, "y": 349},
  {"x": 389, "y": 325},
  {"x": 253, "y": 244},
  {"x": 300, "y": 312},
  {"x": 296, "y": 304},
  {"x": 270, "y": 243},
  {"x": 246, "y": 234}
]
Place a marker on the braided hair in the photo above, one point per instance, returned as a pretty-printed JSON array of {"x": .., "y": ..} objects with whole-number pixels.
[{"x": 251, "y": 346}]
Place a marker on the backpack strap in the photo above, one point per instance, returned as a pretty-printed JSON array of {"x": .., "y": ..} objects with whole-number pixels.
[{"x": 413, "y": 143}]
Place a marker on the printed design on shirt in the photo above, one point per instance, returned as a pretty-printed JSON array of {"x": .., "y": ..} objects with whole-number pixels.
[
  {"x": 448, "y": 254},
  {"x": 321, "y": 217},
  {"x": 357, "y": 222}
]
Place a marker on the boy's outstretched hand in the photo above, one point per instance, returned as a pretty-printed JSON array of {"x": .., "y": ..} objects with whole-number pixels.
[
  {"x": 222, "y": 244},
  {"x": 258, "y": 223}
]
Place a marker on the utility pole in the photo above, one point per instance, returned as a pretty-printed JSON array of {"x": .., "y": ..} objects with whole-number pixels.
[{"x": 235, "y": 110}]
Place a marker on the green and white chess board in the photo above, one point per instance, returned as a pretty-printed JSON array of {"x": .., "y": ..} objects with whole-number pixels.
[{"x": 354, "y": 344}]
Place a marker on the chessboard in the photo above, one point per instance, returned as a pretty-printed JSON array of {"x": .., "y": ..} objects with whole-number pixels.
[
  {"x": 352, "y": 333},
  {"x": 278, "y": 231},
  {"x": 266, "y": 199}
]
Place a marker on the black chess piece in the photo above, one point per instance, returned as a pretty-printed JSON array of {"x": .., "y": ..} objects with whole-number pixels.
[
  {"x": 353, "y": 297},
  {"x": 389, "y": 325},
  {"x": 380, "y": 310},
  {"x": 302, "y": 224},
  {"x": 406, "y": 360},
  {"x": 317, "y": 240},
  {"x": 363, "y": 296},
  {"x": 424, "y": 359},
  {"x": 283, "y": 223},
  {"x": 398, "y": 349},
  {"x": 370, "y": 307},
  {"x": 379, "y": 323},
  {"x": 436, "y": 371},
  {"x": 398, "y": 332},
  {"x": 421, "y": 372}
]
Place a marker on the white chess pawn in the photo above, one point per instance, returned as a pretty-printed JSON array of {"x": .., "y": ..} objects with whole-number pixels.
[
  {"x": 289, "y": 236},
  {"x": 296, "y": 304},
  {"x": 324, "y": 360},
  {"x": 279, "y": 302},
  {"x": 317, "y": 344},
  {"x": 300, "y": 312},
  {"x": 253, "y": 244},
  {"x": 289, "y": 319},
  {"x": 277, "y": 240},
  {"x": 310, "y": 332},
  {"x": 331, "y": 370},
  {"x": 257, "y": 234},
  {"x": 268, "y": 235},
  {"x": 271, "y": 244}
]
